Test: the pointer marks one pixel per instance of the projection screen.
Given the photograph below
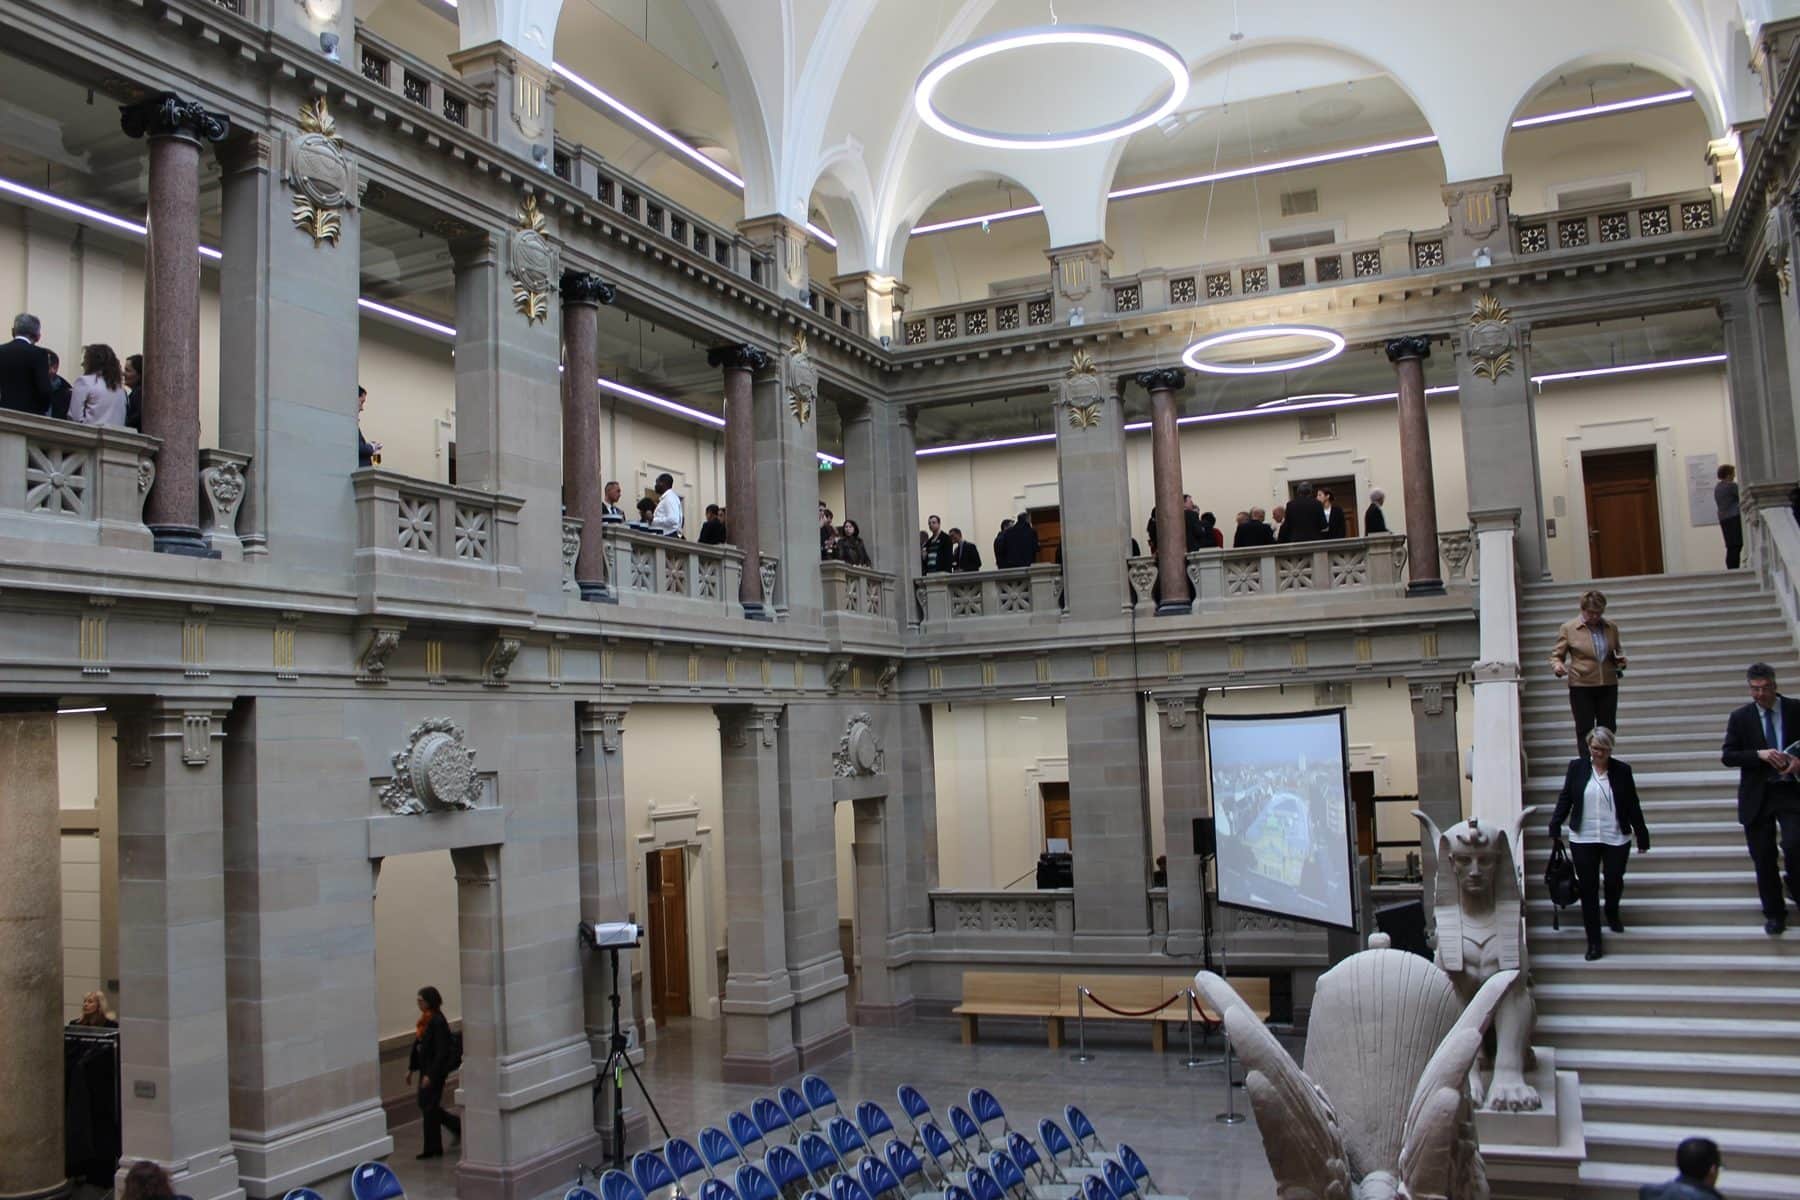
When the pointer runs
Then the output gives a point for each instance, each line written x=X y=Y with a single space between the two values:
x=1281 y=814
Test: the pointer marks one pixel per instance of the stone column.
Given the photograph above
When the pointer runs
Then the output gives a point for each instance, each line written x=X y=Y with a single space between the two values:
x=875 y=1001
x=605 y=852
x=582 y=295
x=1182 y=735
x=1165 y=464
x=878 y=449
x=1762 y=337
x=1408 y=354
x=173 y=1075
x=787 y=483
x=175 y=128
x=782 y=243
x=1091 y=478
x=815 y=957
x=31 y=950
x=918 y=788
x=1498 y=787
x=1499 y=433
x=1109 y=816
x=759 y=1030
x=740 y=363
x=1078 y=282
x=1435 y=748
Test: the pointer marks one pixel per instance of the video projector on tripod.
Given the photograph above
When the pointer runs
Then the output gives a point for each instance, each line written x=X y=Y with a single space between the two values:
x=610 y=935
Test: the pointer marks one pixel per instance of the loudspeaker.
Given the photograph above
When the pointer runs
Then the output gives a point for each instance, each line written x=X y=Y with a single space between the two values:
x=1206 y=843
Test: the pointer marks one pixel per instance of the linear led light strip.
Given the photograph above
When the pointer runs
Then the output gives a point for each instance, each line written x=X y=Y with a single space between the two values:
x=1310 y=160
x=48 y=200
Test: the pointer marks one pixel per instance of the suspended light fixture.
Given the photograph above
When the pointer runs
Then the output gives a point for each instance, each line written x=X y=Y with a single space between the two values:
x=1148 y=48
x=1331 y=341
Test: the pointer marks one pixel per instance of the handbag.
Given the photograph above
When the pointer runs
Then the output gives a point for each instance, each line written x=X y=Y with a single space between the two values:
x=1559 y=881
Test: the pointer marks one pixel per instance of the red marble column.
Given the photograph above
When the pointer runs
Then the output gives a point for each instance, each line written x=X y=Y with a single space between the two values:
x=582 y=295
x=1165 y=464
x=1408 y=354
x=741 y=362
x=175 y=129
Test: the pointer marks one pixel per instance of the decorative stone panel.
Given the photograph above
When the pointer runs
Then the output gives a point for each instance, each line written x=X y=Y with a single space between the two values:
x=1654 y=222
x=1366 y=264
x=1182 y=291
x=1254 y=280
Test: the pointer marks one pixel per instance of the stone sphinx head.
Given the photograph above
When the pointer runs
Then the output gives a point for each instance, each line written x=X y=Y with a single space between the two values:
x=1474 y=858
x=1480 y=858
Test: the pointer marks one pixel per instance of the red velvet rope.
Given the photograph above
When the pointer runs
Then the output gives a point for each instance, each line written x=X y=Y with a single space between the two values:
x=1120 y=1012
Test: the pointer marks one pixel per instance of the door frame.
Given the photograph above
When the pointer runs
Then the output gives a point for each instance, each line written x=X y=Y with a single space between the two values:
x=680 y=857
x=678 y=827
x=1639 y=433
x=1043 y=770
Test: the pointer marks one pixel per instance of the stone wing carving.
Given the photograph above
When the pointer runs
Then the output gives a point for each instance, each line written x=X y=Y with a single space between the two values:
x=1438 y=1152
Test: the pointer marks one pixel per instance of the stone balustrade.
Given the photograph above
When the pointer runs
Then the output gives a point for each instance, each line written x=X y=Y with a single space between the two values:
x=416 y=83
x=832 y=307
x=860 y=591
x=682 y=577
x=420 y=540
x=1001 y=314
x=977 y=599
x=979 y=918
x=70 y=483
x=1652 y=220
x=651 y=213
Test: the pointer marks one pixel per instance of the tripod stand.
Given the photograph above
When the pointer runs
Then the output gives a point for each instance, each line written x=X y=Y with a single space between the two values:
x=617 y=1063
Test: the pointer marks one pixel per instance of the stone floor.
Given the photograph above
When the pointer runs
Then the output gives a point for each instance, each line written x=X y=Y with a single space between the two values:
x=1164 y=1110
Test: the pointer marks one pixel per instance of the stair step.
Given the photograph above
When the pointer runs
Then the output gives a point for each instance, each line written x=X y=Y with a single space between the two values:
x=1759 y=617
x=1620 y=585
x=1624 y=998
x=1717 y=779
x=1685 y=886
x=1744 y=937
x=1611 y=1103
x=1763 y=1150
x=1660 y=912
x=1685 y=1069
x=1671 y=859
x=1662 y=970
x=1621 y=1181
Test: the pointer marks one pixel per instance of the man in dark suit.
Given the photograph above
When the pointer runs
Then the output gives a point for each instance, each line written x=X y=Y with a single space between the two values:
x=1768 y=792
x=1305 y=517
x=25 y=384
x=963 y=554
x=1253 y=531
x=934 y=551
x=61 y=390
x=712 y=530
x=999 y=540
x=1374 y=520
x=1020 y=543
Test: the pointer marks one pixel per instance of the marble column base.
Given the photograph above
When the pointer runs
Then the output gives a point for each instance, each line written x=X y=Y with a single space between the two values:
x=599 y=593
x=54 y=1192
x=754 y=611
x=759 y=1069
x=547 y=1171
x=832 y=1044
x=1425 y=587
x=184 y=540
x=1174 y=608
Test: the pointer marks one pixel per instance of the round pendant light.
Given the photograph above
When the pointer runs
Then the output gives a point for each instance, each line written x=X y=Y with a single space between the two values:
x=1330 y=341
x=1150 y=49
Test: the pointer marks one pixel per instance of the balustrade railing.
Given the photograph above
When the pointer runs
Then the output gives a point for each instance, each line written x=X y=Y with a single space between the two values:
x=972 y=599
x=863 y=591
x=652 y=213
x=1001 y=314
x=979 y=915
x=415 y=536
x=1648 y=220
x=680 y=576
x=81 y=484
x=834 y=309
x=418 y=84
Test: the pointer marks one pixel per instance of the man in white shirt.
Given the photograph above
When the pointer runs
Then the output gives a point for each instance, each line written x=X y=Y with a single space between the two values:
x=667 y=518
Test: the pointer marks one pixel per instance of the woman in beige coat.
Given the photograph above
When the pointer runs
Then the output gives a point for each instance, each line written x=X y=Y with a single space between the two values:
x=1589 y=657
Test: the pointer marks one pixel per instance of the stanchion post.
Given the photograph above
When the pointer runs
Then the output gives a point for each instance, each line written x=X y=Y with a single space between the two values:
x=1081 y=1054
x=1231 y=1116
x=1193 y=1061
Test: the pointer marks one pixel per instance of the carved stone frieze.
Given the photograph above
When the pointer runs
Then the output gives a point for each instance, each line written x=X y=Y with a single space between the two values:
x=859 y=752
x=434 y=771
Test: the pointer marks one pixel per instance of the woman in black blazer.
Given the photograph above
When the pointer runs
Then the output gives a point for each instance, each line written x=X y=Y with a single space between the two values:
x=1599 y=801
x=433 y=1058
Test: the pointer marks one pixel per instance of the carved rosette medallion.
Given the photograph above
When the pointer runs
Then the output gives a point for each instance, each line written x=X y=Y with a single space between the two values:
x=321 y=173
x=433 y=772
x=802 y=379
x=1080 y=393
x=859 y=752
x=1489 y=338
x=531 y=263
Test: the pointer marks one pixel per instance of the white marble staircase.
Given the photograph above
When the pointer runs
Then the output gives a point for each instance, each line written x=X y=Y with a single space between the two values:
x=1691 y=1022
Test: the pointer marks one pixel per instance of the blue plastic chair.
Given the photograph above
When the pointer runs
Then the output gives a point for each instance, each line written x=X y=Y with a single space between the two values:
x=716 y=1189
x=753 y=1183
x=1083 y=1130
x=953 y=1192
x=1119 y=1180
x=769 y=1117
x=1025 y=1154
x=985 y=1107
x=1134 y=1166
x=651 y=1173
x=818 y=1094
x=1094 y=1188
x=745 y=1133
x=1006 y=1172
x=717 y=1148
x=1056 y=1144
x=683 y=1159
x=913 y=1104
x=872 y=1119
x=786 y=1169
x=579 y=1193
x=302 y=1194
x=375 y=1181
x=983 y=1185
x=617 y=1185
x=967 y=1128
x=845 y=1139
x=846 y=1188
x=938 y=1147
x=794 y=1104
x=877 y=1178
x=819 y=1157
x=904 y=1163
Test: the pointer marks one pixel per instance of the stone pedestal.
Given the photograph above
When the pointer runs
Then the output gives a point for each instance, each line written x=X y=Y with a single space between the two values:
x=31 y=950
x=582 y=294
x=743 y=525
x=782 y=243
x=1536 y=1154
x=522 y=92
x=1408 y=354
x=1109 y=821
x=1078 y=276
x=1478 y=211
x=1165 y=461
x=1182 y=737
x=1435 y=748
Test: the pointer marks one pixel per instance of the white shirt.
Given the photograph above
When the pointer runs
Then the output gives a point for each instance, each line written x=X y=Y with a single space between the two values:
x=93 y=403
x=1599 y=816
x=667 y=517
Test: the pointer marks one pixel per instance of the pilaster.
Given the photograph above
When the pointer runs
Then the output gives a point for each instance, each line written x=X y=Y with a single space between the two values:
x=1091 y=479
x=1078 y=275
x=1182 y=738
x=522 y=93
x=1499 y=425
x=1478 y=212
x=878 y=488
x=815 y=959
x=783 y=242
x=1435 y=748
x=1109 y=814
x=787 y=483
x=882 y=299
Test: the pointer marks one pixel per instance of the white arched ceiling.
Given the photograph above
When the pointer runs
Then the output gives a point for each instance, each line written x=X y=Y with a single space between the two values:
x=528 y=26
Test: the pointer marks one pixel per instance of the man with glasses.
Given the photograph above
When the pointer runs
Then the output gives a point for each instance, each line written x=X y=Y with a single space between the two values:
x=1756 y=740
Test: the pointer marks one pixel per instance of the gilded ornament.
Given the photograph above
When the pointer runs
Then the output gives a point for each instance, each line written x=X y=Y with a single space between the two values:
x=802 y=379
x=1082 y=364
x=321 y=174
x=1490 y=338
x=1085 y=416
x=532 y=262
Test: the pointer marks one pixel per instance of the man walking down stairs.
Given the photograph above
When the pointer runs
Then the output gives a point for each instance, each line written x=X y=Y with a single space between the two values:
x=1690 y=1025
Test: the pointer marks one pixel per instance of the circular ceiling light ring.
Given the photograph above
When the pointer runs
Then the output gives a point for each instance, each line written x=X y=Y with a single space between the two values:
x=1331 y=340
x=1149 y=48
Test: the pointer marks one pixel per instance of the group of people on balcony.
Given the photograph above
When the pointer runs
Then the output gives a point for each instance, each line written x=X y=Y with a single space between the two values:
x=944 y=551
x=841 y=543
x=1313 y=515
x=107 y=392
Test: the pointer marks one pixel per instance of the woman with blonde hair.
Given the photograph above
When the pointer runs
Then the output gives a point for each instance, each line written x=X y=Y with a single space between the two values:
x=99 y=396
x=1599 y=803
x=93 y=1012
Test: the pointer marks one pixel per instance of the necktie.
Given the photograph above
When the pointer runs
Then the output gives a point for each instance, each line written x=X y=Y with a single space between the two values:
x=1769 y=728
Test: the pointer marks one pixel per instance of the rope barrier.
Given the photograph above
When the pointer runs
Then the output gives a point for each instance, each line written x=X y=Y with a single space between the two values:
x=1122 y=1012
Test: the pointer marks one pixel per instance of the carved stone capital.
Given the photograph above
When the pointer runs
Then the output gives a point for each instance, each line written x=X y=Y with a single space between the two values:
x=1161 y=379
x=1412 y=346
x=383 y=641
x=603 y=725
x=168 y=115
x=741 y=356
x=582 y=287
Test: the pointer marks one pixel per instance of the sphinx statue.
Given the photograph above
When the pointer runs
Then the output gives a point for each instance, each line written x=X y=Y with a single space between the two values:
x=1381 y=1110
x=1474 y=896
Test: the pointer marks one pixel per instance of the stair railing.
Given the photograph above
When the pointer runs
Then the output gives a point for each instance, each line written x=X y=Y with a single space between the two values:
x=1773 y=535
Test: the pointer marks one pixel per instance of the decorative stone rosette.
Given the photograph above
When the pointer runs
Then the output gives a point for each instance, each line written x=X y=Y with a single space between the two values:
x=859 y=751
x=433 y=772
x=531 y=263
x=322 y=175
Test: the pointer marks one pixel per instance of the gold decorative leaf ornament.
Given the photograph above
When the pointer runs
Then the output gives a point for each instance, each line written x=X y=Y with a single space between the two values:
x=532 y=262
x=1082 y=364
x=321 y=173
x=1490 y=338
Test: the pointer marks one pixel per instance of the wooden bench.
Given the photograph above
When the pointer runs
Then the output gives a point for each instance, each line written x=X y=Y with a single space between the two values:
x=1254 y=989
x=1008 y=994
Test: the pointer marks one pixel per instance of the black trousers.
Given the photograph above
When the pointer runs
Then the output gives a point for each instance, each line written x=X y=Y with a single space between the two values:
x=1733 y=529
x=1592 y=860
x=431 y=1104
x=1593 y=706
x=1778 y=816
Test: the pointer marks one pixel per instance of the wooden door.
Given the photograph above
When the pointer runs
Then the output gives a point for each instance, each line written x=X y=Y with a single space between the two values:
x=1048 y=523
x=1624 y=524
x=1056 y=811
x=666 y=884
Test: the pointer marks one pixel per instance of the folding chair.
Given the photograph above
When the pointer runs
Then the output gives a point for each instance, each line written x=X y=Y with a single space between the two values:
x=966 y=1128
x=769 y=1117
x=617 y=1185
x=579 y=1193
x=1056 y=1144
x=905 y=1165
x=717 y=1148
x=1083 y=1130
x=786 y=1169
x=878 y=1179
x=938 y=1147
x=983 y=1185
x=820 y=1159
x=845 y=1140
x=684 y=1160
x=872 y=1119
x=375 y=1181
x=794 y=1104
x=753 y=1183
x=1094 y=1188
x=845 y=1187
x=914 y=1105
x=745 y=1133
x=1007 y=1174
x=1120 y=1180
x=1025 y=1154
x=1134 y=1166
x=652 y=1174
x=716 y=1189
x=302 y=1194
x=818 y=1094
x=956 y=1193
x=984 y=1106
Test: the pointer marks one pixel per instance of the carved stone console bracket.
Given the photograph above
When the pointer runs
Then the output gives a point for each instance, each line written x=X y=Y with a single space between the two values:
x=498 y=663
x=384 y=639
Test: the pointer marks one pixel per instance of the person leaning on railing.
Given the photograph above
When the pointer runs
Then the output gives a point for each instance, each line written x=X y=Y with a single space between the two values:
x=848 y=548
